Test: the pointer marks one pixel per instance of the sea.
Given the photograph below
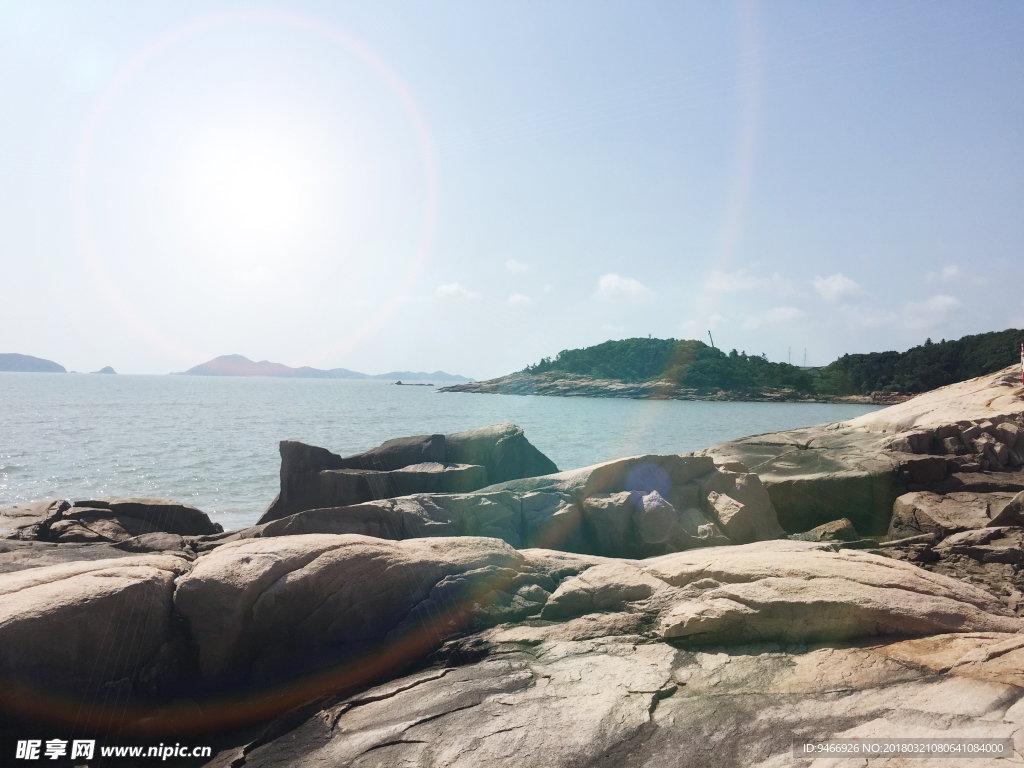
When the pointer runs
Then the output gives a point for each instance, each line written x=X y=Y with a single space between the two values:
x=213 y=441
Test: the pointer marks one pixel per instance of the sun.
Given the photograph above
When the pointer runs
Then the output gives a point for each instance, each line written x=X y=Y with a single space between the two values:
x=245 y=187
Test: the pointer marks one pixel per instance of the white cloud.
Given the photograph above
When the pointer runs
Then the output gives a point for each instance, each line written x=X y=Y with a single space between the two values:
x=742 y=281
x=454 y=291
x=947 y=274
x=836 y=287
x=518 y=267
x=930 y=313
x=518 y=299
x=775 y=316
x=612 y=287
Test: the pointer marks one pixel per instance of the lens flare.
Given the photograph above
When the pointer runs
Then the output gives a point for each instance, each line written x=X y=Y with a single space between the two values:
x=252 y=186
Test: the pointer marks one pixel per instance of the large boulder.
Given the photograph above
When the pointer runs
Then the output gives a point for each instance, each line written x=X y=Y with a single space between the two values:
x=75 y=627
x=993 y=398
x=954 y=439
x=695 y=503
x=315 y=478
x=817 y=474
x=284 y=605
x=548 y=659
x=925 y=512
x=502 y=449
x=637 y=507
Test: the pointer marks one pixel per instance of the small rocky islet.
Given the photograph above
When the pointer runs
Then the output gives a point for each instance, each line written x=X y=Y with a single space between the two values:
x=456 y=600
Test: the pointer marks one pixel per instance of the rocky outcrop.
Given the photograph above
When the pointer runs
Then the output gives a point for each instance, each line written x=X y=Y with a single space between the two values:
x=591 y=617
x=81 y=626
x=546 y=659
x=561 y=384
x=924 y=512
x=314 y=478
x=571 y=695
x=102 y=520
x=320 y=599
x=961 y=438
x=31 y=521
x=638 y=507
x=975 y=537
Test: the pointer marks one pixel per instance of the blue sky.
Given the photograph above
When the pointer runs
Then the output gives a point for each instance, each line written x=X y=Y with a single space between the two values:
x=473 y=186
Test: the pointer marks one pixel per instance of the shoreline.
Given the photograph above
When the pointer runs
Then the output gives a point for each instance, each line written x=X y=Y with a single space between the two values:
x=574 y=385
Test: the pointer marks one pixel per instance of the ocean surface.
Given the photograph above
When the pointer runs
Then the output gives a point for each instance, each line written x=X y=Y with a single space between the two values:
x=213 y=441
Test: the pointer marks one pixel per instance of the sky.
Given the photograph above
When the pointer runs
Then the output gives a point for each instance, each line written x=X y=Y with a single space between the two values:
x=472 y=186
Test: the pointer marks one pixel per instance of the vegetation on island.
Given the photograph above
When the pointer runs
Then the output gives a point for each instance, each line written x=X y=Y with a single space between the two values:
x=695 y=365
x=685 y=363
x=922 y=368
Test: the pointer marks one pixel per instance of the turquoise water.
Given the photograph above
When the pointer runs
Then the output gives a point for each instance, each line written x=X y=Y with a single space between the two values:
x=212 y=441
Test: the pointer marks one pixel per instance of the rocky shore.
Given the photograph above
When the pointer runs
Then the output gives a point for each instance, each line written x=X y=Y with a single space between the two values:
x=559 y=384
x=456 y=600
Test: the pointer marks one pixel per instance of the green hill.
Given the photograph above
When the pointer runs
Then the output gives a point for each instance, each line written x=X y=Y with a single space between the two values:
x=691 y=364
x=922 y=368
x=695 y=365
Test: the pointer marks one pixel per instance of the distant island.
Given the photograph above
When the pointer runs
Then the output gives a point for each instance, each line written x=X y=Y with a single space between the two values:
x=670 y=369
x=10 y=361
x=107 y=369
x=237 y=365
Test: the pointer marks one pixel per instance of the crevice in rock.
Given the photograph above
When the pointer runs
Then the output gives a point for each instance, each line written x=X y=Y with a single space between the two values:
x=384 y=696
x=663 y=693
x=391 y=743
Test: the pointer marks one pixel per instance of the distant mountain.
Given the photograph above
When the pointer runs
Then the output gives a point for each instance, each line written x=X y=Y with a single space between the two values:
x=27 y=364
x=237 y=365
x=107 y=369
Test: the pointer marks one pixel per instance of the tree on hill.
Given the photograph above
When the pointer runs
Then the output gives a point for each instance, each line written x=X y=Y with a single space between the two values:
x=922 y=368
x=686 y=363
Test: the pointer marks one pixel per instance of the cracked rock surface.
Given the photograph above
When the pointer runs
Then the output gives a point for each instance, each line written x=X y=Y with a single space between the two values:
x=569 y=699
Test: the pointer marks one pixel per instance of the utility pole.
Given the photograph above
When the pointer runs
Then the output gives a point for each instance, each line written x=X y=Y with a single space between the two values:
x=789 y=356
x=712 y=340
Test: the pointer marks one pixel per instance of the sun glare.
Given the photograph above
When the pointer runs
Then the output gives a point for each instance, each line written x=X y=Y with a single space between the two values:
x=246 y=188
